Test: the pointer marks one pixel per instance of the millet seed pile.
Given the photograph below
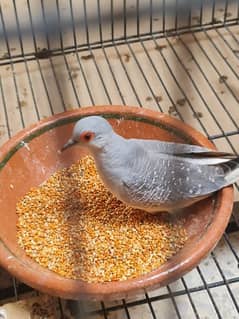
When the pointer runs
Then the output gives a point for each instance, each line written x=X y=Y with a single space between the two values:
x=72 y=225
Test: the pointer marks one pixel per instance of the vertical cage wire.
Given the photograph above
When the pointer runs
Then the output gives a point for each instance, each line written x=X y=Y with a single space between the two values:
x=160 y=19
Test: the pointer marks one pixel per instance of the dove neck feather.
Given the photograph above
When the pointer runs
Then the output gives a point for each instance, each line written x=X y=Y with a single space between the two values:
x=112 y=160
x=110 y=150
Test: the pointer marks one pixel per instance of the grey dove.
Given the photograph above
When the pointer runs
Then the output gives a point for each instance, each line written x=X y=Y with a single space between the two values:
x=153 y=175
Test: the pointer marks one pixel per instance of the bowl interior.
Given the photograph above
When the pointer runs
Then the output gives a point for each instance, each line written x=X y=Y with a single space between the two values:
x=33 y=159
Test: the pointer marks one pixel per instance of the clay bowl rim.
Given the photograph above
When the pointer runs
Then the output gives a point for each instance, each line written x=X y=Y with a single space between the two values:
x=70 y=288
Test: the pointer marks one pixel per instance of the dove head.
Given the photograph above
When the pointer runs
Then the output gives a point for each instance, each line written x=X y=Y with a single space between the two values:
x=91 y=131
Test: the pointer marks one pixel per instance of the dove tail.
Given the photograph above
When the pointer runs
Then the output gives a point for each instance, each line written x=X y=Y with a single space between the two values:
x=231 y=169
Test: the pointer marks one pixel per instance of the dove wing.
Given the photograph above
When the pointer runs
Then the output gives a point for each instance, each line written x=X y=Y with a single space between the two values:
x=187 y=152
x=159 y=180
x=179 y=148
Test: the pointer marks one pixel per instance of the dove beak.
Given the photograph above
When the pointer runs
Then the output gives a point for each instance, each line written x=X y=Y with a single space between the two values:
x=68 y=144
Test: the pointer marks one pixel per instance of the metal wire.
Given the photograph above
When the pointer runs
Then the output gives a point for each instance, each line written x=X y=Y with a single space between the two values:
x=65 y=59
x=162 y=29
x=124 y=19
x=11 y=64
x=26 y=66
x=126 y=309
x=150 y=306
x=113 y=76
x=5 y=109
x=225 y=281
x=201 y=95
x=121 y=42
x=112 y=19
x=104 y=310
x=51 y=63
x=181 y=89
x=220 y=53
x=190 y=298
x=151 y=16
x=172 y=297
x=38 y=64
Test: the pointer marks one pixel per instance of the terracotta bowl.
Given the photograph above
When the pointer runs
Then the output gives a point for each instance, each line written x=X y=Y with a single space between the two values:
x=33 y=155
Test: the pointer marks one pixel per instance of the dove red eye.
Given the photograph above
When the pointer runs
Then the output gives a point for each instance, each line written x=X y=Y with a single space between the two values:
x=86 y=137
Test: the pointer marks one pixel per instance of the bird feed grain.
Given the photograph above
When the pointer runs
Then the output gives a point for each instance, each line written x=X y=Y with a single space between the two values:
x=74 y=226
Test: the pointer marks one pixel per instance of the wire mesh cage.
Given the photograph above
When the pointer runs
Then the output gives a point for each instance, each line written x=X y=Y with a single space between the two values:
x=179 y=57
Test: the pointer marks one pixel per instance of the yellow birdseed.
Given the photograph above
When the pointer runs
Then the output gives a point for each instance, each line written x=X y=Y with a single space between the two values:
x=74 y=226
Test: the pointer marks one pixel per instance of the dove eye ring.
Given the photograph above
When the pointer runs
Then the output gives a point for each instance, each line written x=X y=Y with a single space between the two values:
x=86 y=137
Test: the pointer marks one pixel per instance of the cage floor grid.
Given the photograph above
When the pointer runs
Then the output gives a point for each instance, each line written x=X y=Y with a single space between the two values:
x=193 y=77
